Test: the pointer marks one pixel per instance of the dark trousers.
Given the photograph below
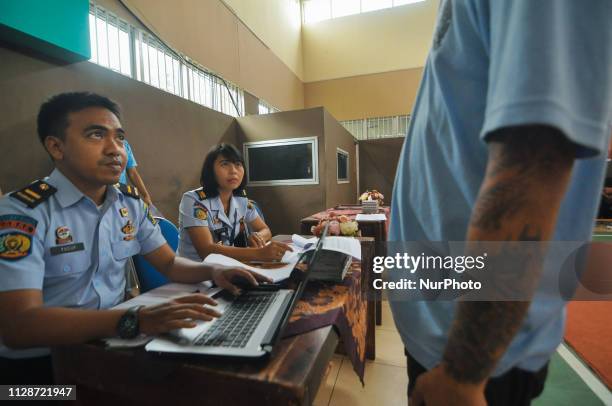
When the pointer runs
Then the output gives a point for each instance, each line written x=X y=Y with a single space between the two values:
x=516 y=387
x=27 y=371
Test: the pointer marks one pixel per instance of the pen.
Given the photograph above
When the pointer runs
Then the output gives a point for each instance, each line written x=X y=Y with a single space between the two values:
x=265 y=263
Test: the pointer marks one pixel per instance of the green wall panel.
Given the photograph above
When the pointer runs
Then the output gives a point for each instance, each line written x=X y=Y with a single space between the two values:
x=56 y=28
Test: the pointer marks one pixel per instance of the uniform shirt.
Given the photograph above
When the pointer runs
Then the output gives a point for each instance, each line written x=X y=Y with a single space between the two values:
x=495 y=64
x=70 y=249
x=196 y=210
x=131 y=162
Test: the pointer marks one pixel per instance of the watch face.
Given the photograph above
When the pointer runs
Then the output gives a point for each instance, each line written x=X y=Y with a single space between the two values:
x=128 y=324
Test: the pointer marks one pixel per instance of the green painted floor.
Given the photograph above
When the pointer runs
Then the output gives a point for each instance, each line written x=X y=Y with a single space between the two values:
x=565 y=387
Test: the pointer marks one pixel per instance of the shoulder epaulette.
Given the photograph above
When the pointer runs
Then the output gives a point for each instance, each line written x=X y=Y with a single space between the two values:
x=34 y=194
x=201 y=193
x=128 y=190
x=250 y=204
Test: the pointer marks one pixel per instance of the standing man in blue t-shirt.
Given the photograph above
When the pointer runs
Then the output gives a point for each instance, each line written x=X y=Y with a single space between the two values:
x=508 y=143
x=130 y=172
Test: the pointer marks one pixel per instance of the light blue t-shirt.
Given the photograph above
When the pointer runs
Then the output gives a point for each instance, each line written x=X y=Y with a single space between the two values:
x=495 y=64
x=131 y=162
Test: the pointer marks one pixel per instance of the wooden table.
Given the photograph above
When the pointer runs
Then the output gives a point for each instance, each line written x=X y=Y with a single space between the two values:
x=376 y=229
x=291 y=376
x=367 y=251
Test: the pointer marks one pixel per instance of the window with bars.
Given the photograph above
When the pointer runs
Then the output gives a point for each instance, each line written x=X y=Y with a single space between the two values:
x=119 y=46
x=265 y=108
x=378 y=127
x=318 y=10
x=110 y=41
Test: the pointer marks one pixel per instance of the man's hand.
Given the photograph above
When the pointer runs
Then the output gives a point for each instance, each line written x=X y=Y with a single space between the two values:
x=178 y=313
x=223 y=277
x=436 y=387
x=607 y=194
x=255 y=240
x=273 y=251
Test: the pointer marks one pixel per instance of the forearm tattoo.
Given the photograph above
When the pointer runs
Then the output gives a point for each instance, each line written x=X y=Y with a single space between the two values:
x=525 y=164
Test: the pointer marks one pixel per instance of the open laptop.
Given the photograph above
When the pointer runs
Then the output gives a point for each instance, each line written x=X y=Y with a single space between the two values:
x=251 y=323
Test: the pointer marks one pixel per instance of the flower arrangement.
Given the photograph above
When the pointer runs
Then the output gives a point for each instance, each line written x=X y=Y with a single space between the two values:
x=372 y=195
x=338 y=225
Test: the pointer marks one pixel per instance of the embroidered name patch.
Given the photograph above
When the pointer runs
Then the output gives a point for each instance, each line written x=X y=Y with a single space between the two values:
x=64 y=249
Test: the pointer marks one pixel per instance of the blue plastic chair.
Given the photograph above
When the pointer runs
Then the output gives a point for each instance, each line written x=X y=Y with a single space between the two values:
x=148 y=276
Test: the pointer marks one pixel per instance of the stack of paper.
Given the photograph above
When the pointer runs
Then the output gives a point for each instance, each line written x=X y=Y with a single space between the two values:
x=277 y=274
x=347 y=245
x=370 y=217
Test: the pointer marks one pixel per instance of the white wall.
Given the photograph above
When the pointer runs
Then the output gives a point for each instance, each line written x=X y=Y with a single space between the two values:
x=278 y=24
x=374 y=42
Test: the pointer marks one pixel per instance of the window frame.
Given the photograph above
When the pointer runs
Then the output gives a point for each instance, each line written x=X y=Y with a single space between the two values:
x=314 y=180
x=340 y=151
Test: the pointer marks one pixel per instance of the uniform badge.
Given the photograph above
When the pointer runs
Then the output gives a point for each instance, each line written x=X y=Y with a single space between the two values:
x=128 y=228
x=250 y=205
x=123 y=211
x=200 y=213
x=34 y=194
x=62 y=235
x=201 y=194
x=18 y=222
x=15 y=245
x=244 y=193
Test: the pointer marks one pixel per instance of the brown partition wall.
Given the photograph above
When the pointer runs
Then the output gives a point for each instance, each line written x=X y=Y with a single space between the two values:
x=378 y=163
x=284 y=206
x=169 y=135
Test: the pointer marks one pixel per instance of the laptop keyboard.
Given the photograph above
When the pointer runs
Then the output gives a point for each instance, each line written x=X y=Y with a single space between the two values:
x=239 y=321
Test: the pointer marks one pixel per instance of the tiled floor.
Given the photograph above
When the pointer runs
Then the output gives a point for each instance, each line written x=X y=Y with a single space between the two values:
x=386 y=377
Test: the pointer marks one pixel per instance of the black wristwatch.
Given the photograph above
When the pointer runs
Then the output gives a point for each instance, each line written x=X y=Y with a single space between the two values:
x=128 y=327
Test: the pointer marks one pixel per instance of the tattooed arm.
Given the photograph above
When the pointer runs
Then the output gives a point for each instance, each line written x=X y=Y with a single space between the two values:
x=527 y=175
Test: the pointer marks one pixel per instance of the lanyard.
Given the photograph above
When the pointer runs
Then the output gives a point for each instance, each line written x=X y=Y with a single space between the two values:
x=233 y=235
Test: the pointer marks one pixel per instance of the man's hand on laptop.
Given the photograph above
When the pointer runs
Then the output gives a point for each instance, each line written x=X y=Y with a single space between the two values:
x=226 y=277
x=179 y=313
x=607 y=194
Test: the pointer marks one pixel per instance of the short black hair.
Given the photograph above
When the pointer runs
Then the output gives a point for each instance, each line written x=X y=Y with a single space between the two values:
x=53 y=114
x=207 y=177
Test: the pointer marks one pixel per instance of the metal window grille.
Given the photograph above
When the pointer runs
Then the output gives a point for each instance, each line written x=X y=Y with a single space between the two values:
x=378 y=127
x=265 y=108
x=119 y=46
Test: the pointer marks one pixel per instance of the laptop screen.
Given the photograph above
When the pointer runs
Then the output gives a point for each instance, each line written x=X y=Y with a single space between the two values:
x=300 y=277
